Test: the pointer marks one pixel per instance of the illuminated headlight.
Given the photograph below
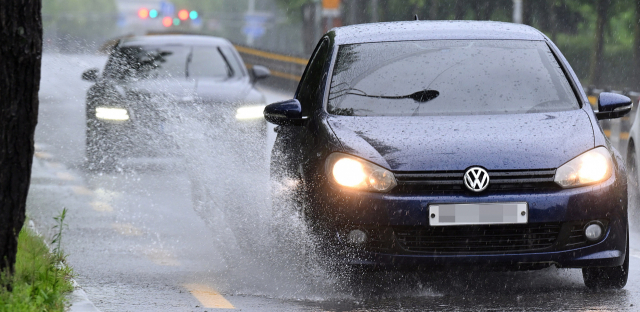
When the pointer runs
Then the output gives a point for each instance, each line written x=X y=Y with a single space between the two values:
x=250 y=112
x=591 y=167
x=359 y=174
x=112 y=113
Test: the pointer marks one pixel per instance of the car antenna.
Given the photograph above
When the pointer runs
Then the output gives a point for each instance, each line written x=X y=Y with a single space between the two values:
x=415 y=17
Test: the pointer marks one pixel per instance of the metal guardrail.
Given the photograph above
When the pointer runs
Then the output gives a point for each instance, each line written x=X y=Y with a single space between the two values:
x=286 y=70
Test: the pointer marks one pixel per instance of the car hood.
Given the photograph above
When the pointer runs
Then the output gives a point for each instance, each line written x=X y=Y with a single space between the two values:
x=495 y=142
x=208 y=90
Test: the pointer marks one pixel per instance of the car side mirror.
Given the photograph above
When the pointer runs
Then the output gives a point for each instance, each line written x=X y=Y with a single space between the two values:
x=612 y=105
x=91 y=75
x=285 y=113
x=260 y=72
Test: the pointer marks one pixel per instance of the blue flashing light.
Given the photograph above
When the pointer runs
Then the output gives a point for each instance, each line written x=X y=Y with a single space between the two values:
x=193 y=15
x=153 y=13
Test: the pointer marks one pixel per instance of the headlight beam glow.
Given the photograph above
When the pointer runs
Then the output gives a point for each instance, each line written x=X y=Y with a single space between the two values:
x=112 y=113
x=348 y=172
x=250 y=112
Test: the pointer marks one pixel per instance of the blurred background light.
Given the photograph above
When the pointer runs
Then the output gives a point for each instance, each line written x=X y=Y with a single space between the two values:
x=143 y=13
x=167 y=21
x=183 y=15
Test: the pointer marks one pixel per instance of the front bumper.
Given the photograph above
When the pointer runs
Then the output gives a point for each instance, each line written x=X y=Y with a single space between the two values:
x=344 y=210
x=153 y=137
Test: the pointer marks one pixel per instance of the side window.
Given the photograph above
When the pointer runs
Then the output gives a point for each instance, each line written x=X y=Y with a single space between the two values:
x=232 y=58
x=312 y=83
x=208 y=62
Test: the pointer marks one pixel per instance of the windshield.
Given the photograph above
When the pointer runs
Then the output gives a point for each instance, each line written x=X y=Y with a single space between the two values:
x=162 y=62
x=448 y=77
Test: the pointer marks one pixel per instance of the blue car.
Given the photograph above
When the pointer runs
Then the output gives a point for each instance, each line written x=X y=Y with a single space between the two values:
x=433 y=144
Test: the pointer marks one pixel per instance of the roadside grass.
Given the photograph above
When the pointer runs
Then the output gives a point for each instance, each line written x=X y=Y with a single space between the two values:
x=40 y=282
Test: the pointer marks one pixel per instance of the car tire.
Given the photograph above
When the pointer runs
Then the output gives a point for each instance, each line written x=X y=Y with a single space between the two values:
x=608 y=277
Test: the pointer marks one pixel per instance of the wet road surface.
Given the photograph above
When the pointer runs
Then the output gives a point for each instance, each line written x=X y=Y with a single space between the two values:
x=139 y=241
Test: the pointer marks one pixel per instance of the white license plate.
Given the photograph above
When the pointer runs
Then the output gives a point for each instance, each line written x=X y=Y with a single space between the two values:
x=469 y=214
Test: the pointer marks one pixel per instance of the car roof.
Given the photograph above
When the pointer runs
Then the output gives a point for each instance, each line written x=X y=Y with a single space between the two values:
x=190 y=40
x=433 y=30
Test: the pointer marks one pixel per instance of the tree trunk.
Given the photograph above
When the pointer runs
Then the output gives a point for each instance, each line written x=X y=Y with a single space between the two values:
x=527 y=12
x=375 y=11
x=309 y=24
x=636 y=46
x=434 y=9
x=459 y=10
x=20 y=56
x=475 y=9
x=552 y=21
x=602 y=9
x=486 y=9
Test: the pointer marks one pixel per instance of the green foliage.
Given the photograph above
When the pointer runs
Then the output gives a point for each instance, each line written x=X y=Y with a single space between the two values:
x=39 y=282
x=57 y=237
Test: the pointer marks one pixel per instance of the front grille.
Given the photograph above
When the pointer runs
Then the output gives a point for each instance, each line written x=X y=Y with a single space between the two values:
x=452 y=181
x=478 y=239
x=576 y=236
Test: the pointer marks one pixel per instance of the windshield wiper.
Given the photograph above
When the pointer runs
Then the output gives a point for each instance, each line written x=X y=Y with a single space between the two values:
x=420 y=96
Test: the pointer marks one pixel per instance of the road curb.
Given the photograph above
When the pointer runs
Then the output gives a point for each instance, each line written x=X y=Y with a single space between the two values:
x=78 y=298
x=79 y=301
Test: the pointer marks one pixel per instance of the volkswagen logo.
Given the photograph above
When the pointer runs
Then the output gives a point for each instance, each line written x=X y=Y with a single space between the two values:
x=476 y=179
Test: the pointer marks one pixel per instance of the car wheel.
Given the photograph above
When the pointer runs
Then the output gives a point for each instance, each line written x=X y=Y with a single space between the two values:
x=608 y=277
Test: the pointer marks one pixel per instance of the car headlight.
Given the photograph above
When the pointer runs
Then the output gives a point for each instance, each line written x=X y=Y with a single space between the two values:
x=112 y=113
x=250 y=112
x=356 y=173
x=590 y=167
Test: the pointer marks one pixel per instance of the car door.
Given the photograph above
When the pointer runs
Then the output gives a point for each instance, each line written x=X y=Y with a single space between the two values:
x=294 y=144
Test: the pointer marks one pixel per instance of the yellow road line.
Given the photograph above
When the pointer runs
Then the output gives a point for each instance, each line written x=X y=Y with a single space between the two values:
x=53 y=164
x=126 y=229
x=285 y=75
x=273 y=56
x=161 y=257
x=62 y=175
x=623 y=135
x=208 y=297
x=43 y=155
x=101 y=206
x=81 y=190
